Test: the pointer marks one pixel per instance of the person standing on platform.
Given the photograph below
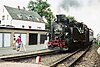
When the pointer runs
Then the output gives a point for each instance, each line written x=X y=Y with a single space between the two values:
x=18 y=41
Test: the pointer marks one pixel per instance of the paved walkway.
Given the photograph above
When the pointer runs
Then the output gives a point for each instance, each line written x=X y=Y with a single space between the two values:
x=9 y=51
x=10 y=64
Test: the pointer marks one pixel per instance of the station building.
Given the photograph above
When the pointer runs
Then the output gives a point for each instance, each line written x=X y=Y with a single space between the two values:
x=20 y=22
x=28 y=36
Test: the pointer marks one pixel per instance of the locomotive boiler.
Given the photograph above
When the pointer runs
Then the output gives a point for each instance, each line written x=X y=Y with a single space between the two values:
x=67 y=35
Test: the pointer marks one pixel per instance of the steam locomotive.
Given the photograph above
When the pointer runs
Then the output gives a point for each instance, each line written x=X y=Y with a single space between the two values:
x=66 y=35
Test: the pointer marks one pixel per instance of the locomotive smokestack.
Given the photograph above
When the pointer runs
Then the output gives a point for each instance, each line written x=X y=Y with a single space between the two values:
x=58 y=18
x=62 y=18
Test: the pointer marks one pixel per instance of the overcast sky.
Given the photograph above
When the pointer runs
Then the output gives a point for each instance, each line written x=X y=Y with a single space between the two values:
x=87 y=11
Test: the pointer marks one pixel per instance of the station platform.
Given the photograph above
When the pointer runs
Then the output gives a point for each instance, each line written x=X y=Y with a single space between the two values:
x=30 y=49
x=10 y=64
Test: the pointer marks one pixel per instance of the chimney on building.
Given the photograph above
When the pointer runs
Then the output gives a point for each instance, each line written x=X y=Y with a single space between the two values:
x=19 y=7
x=23 y=8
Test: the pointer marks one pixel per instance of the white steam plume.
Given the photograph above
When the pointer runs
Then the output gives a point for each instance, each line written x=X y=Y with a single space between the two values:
x=87 y=11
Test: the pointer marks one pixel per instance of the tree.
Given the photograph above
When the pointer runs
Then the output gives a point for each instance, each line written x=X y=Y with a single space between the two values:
x=71 y=19
x=43 y=9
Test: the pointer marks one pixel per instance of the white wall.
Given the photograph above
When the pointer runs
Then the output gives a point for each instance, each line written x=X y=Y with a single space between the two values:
x=20 y=23
x=34 y=25
x=5 y=13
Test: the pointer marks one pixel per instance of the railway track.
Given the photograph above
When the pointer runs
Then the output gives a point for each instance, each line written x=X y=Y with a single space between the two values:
x=25 y=56
x=51 y=59
x=69 y=61
x=46 y=59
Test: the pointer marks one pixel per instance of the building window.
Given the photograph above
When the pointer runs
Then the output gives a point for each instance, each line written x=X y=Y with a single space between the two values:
x=23 y=26
x=39 y=27
x=20 y=16
x=7 y=17
x=3 y=17
x=29 y=27
x=30 y=17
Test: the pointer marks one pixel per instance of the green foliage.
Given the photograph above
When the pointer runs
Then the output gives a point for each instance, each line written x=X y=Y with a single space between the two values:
x=71 y=19
x=43 y=9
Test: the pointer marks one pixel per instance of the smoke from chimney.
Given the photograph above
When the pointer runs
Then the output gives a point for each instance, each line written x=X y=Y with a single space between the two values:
x=66 y=4
x=87 y=11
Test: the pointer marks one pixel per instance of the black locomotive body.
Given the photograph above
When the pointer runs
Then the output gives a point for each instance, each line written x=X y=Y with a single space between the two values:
x=68 y=35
